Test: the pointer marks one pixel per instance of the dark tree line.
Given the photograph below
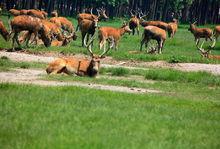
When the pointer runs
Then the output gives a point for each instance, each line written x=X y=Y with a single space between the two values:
x=204 y=11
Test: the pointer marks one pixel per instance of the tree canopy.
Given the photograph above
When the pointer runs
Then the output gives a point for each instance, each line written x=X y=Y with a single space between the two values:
x=204 y=11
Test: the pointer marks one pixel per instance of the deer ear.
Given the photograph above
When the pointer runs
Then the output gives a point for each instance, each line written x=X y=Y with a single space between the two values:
x=102 y=56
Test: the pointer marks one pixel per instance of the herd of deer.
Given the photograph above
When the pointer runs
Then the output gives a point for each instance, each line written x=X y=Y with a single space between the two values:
x=33 y=27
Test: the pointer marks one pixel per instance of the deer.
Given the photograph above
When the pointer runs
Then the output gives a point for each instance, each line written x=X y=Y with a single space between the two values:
x=37 y=13
x=54 y=13
x=76 y=66
x=155 y=33
x=172 y=28
x=30 y=24
x=87 y=27
x=4 y=32
x=65 y=24
x=110 y=32
x=134 y=22
x=216 y=32
x=206 y=53
x=82 y=16
x=159 y=24
x=14 y=12
x=200 y=33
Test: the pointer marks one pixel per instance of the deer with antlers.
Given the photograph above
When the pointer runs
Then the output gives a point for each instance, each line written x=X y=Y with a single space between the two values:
x=87 y=27
x=200 y=33
x=134 y=22
x=76 y=66
x=155 y=33
x=206 y=53
x=91 y=16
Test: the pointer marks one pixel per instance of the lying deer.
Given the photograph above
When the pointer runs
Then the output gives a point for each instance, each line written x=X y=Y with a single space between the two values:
x=155 y=33
x=79 y=67
x=109 y=32
x=206 y=53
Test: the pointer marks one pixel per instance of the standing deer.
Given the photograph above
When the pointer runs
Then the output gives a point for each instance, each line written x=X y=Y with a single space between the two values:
x=172 y=28
x=155 y=33
x=31 y=24
x=109 y=32
x=134 y=22
x=200 y=33
x=91 y=17
x=87 y=27
x=76 y=66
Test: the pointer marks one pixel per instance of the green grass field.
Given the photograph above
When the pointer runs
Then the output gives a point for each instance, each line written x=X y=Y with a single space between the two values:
x=186 y=114
x=180 y=49
x=71 y=117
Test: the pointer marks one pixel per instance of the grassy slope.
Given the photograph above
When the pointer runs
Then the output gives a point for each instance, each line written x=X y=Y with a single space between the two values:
x=70 y=117
x=181 y=48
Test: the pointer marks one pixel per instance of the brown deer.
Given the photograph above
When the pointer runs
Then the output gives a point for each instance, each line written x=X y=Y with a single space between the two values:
x=200 y=33
x=159 y=24
x=172 y=28
x=37 y=13
x=216 y=32
x=76 y=66
x=31 y=24
x=54 y=13
x=65 y=24
x=87 y=27
x=14 y=12
x=155 y=33
x=206 y=53
x=82 y=16
x=110 y=32
x=3 y=31
x=134 y=22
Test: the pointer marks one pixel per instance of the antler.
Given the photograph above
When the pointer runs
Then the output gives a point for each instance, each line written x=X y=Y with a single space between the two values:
x=111 y=41
x=204 y=53
x=91 y=9
x=89 y=46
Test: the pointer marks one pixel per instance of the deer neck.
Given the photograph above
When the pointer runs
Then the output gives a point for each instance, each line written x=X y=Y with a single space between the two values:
x=122 y=31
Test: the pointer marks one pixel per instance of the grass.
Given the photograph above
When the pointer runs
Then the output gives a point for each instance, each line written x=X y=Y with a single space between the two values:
x=180 y=49
x=161 y=74
x=72 y=117
x=6 y=64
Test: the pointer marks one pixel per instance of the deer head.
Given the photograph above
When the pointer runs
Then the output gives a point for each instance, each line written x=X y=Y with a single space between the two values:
x=95 y=61
x=102 y=13
x=203 y=52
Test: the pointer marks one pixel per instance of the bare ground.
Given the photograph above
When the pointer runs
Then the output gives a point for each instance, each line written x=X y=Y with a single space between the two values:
x=110 y=62
x=33 y=76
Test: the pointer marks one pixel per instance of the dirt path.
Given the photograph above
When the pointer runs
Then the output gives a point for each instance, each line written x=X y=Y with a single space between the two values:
x=33 y=76
x=109 y=62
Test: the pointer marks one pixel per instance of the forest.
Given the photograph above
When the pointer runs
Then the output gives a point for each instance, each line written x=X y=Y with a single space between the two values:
x=204 y=11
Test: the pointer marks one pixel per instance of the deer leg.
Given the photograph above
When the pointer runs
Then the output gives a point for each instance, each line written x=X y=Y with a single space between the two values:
x=138 y=30
x=28 y=38
x=142 y=42
x=16 y=38
x=160 y=45
x=133 y=31
x=116 y=45
x=83 y=37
